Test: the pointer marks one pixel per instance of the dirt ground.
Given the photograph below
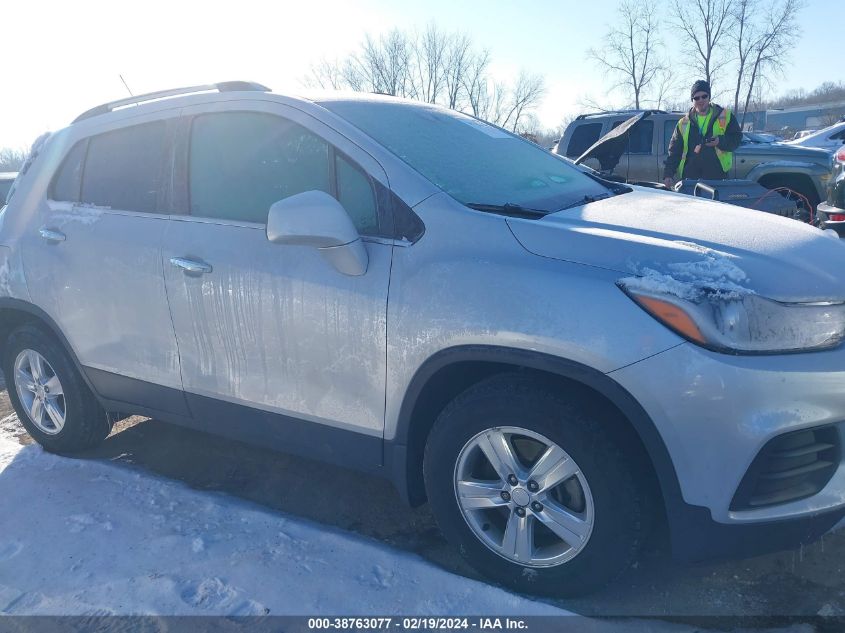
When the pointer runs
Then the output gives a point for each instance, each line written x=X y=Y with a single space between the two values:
x=802 y=583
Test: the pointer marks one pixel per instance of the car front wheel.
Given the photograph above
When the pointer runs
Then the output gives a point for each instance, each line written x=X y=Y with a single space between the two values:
x=535 y=491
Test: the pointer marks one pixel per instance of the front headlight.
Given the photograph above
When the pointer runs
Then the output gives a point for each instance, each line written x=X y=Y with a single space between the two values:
x=740 y=322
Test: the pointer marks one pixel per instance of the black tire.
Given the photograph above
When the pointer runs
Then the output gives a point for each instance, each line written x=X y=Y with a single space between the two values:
x=86 y=423
x=615 y=477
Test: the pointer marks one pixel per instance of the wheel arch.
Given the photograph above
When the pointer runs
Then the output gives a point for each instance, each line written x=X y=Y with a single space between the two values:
x=15 y=313
x=798 y=176
x=449 y=372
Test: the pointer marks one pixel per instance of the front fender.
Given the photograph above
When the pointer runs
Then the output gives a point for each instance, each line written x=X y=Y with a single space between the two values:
x=813 y=171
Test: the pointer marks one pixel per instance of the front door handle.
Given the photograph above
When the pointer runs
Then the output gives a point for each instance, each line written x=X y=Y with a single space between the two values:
x=191 y=265
x=52 y=236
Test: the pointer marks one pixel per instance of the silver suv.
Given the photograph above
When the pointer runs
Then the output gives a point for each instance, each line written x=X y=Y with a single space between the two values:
x=555 y=362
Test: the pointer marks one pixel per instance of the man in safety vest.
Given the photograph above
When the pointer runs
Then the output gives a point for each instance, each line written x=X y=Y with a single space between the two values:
x=704 y=140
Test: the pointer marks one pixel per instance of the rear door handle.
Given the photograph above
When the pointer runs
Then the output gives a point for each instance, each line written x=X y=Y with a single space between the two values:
x=52 y=236
x=191 y=265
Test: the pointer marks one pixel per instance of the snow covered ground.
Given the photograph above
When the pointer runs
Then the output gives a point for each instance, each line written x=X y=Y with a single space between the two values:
x=87 y=537
x=83 y=537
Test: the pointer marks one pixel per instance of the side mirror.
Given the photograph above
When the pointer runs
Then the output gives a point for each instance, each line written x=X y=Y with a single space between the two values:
x=316 y=219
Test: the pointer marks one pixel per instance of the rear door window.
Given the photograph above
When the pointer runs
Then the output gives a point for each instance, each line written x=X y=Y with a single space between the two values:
x=125 y=169
x=640 y=140
x=583 y=136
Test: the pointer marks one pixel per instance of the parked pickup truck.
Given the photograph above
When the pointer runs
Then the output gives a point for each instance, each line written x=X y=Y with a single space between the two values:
x=802 y=169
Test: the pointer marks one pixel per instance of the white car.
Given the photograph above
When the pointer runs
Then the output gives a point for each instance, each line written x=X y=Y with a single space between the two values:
x=830 y=138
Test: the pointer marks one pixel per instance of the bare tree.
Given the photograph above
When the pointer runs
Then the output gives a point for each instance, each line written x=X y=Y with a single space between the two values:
x=827 y=92
x=355 y=77
x=475 y=83
x=429 y=64
x=459 y=60
x=705 y=23
x=526 y=95
x=327 y=75
x=382 y=66
x=549 y=136
x=664 y=85
x=587 y=102
x=434 y=67
x=12 y=159
x=530 y=129
x=493 y=102
x=743 y=36
x=769 y=44
x=631 y=50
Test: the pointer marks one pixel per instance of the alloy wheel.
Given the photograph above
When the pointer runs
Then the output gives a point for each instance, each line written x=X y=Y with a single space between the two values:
x=40 y=392
x=524 y=497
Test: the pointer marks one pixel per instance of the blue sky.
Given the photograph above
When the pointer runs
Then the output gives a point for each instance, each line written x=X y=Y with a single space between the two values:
x=64 y=58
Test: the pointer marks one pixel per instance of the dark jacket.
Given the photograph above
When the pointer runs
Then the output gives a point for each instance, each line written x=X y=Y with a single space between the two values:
x=704 y=165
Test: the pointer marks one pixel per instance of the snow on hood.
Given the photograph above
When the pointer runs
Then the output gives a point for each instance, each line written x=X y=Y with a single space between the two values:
x=716 y=272
x=672 y=239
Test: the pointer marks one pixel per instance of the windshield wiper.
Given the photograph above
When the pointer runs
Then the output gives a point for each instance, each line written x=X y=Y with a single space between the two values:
x=510 y=209
x=616 y=187
x=586 y=200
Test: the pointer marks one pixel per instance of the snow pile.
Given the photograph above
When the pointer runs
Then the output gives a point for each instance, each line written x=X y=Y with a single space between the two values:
x=94 y=539
x=83 y=537
x=716 y=274
x=10 y=427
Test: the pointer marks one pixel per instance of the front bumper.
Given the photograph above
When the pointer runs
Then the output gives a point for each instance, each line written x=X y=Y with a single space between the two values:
x=697 y=537
x=715 y=412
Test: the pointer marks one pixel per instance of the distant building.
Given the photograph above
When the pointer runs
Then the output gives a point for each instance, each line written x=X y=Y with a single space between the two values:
x=805 y=117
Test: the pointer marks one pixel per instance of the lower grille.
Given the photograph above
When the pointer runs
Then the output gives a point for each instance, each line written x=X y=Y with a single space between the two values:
x=789 y=467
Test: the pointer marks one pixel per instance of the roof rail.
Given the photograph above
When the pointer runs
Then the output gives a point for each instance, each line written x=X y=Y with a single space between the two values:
x=589 y=114
x=225 y=86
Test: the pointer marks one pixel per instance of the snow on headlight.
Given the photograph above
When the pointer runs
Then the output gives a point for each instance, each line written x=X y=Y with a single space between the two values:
x=714 y=293
x=715 y=274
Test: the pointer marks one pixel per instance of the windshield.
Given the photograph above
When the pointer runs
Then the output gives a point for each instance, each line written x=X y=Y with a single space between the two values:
x=472 y=161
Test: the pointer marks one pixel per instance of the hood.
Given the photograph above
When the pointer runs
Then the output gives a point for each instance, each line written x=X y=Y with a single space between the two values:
x=644 y=232
x=610 y=147
x=782 y=151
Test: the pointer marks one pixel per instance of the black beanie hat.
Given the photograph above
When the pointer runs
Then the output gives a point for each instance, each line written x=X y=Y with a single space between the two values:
x=700 y=86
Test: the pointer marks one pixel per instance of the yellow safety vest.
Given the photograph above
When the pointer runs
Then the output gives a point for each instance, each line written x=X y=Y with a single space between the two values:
x=726 y=159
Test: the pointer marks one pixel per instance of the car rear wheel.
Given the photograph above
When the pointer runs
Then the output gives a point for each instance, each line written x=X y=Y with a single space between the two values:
x=534 y=490
x=49 y=396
